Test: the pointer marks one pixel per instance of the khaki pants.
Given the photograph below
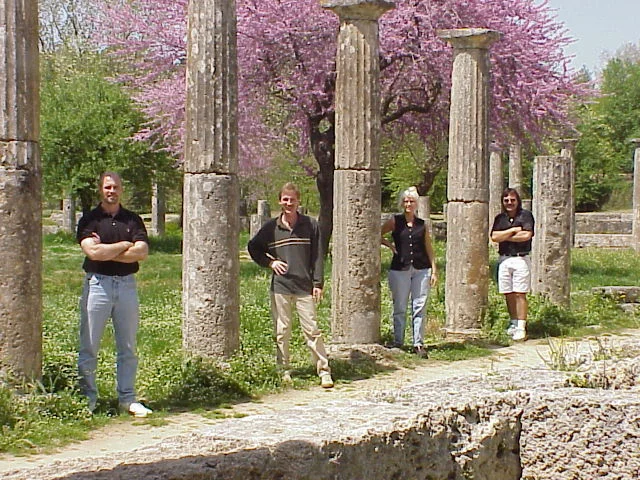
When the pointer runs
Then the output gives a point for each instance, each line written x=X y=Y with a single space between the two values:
x=282 y=313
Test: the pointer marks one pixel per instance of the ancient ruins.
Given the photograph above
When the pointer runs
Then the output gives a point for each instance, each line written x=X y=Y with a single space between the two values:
x=507 y=424
x=355 y=287
x=551 y=254
x=211 y=264
x=20 y=192
x=467 y=282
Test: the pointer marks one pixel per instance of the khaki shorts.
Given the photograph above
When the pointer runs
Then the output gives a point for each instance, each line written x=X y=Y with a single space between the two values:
x=514 y=275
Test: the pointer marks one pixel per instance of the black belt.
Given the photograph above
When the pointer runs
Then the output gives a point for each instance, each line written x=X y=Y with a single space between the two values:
x=521 y=254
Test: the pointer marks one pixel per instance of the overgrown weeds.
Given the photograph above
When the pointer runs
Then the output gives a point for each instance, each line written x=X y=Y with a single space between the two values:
x=564 y=355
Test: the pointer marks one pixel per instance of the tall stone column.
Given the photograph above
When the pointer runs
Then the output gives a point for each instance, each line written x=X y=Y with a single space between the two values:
x=568 y=146
x=467 y=284
x=211 y=189
x=551 y=255
x=355 y=287
x=496 y=183
x=636 y=195
x=158 y=208
x=20 y=192
x=69 y=214
x=515 y=167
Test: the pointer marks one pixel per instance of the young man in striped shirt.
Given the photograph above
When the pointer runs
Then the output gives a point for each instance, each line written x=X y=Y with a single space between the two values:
x=290 y=246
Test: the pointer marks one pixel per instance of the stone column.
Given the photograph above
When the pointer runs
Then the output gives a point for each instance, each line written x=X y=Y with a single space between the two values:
x=636 y=195
x=551 y=255
x=568 y=146
x=158 y=208
x=467 y=284
x=496 y=183
x=355 y=288
x=263 y=209
x=424 y=212
x=20 y=192
x=69 y=214
x=259 y=219
x=515 y=167
x=211 y=188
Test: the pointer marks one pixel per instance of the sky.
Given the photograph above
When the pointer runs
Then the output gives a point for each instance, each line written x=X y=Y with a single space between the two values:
x=598 y=26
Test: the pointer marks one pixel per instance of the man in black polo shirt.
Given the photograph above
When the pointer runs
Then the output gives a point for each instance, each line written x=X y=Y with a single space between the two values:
x=114 y=240
x=513 y=230
x=290 y=246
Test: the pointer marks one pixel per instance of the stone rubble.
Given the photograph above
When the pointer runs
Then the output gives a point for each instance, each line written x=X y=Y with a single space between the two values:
x=516 y=423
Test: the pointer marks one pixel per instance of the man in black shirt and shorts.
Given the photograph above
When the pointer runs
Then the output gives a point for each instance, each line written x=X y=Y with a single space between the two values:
x=513 y=230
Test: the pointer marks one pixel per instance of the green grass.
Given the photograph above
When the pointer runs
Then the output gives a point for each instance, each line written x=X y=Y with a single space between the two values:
x=50 y=413
x=593 y=267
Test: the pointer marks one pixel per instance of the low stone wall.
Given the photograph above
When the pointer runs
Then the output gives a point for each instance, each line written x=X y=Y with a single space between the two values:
x=603 y=240
x=611 y=229
x=524 y=423
x=593 y=229
x=604 y=222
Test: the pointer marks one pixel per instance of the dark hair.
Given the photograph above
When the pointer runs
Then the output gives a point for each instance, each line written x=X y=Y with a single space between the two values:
x=511 y=191
x=289 y=187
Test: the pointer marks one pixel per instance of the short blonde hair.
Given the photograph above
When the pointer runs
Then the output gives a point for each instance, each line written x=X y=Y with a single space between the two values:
x=289 y=187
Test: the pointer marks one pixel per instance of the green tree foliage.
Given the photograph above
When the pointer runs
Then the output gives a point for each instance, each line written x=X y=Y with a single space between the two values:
x=606 y=126
x=620 y=107
x=409 y=161
x=87 y=125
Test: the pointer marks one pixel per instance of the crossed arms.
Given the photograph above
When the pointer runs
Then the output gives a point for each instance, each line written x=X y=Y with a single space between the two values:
x=513 y=234
x=124 y=251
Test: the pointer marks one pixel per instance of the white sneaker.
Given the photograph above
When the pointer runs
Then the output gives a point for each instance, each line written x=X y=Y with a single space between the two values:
x=512 y=327
x=325 y=380
x=138 y=410
x=519 y=335
x=286 y=377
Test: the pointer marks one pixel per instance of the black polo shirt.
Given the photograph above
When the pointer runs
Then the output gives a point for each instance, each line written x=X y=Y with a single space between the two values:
x=125 y=225
x=524 y=219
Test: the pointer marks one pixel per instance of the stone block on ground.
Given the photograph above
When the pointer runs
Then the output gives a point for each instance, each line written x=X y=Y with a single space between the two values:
x=624 y=294
x=604 y=222
x=603 y=240
x=507 y=425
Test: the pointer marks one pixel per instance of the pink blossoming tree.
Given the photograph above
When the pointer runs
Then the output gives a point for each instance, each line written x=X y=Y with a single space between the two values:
x=286 y=52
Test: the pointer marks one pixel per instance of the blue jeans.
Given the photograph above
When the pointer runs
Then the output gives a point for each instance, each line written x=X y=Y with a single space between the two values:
x=105 y=296
x=402 y=283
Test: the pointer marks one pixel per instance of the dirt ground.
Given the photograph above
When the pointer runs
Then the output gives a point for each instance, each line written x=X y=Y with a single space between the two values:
x=132 y=434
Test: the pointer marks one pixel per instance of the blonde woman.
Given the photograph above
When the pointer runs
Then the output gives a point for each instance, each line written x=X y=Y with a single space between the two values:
x=413 y=269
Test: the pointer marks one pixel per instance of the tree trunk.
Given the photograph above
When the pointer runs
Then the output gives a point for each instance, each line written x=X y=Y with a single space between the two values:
x=323 y=147
x=86 y=197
